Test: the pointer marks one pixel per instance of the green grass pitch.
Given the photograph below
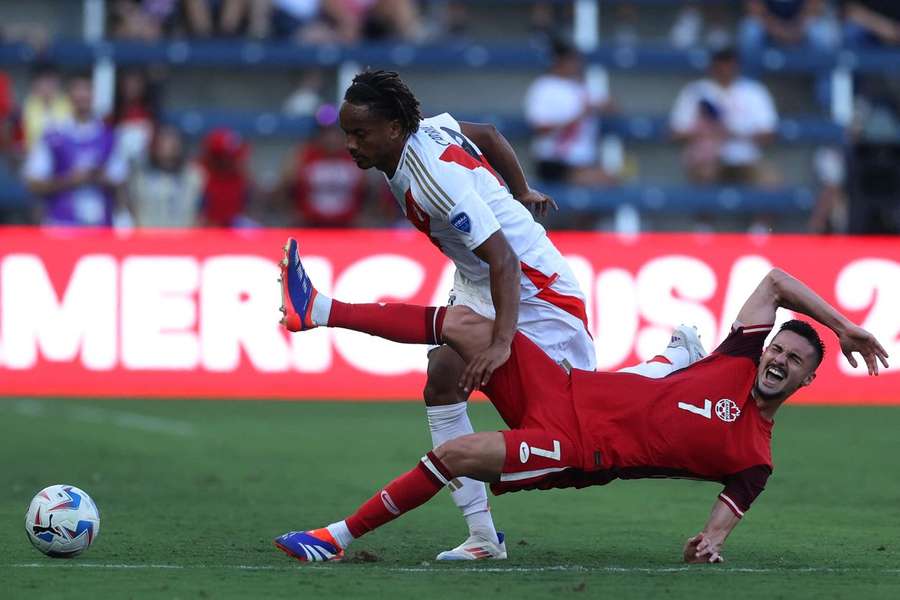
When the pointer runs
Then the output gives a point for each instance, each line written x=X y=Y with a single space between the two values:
x=191 y=494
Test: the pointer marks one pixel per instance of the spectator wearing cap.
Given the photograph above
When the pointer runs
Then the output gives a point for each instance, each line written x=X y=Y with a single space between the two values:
x=320 y=183
x=725 y=120
x=563 y=112
x=787 y=23
x=74 y=167
x=227 y=186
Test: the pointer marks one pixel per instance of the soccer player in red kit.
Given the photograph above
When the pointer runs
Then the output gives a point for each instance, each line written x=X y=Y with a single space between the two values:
x=712 y=420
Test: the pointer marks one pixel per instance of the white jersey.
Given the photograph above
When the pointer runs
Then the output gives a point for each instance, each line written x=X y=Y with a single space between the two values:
x=448 y=191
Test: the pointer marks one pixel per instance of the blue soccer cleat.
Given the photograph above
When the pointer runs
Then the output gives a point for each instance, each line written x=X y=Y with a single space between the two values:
x=297 y=291
x=317 y=545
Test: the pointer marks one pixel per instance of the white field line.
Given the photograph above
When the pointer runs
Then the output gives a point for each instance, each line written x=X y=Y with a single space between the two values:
x=102 y=416
x=453 y=569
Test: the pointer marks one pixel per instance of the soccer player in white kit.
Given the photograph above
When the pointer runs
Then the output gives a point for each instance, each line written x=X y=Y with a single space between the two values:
x=442 y=173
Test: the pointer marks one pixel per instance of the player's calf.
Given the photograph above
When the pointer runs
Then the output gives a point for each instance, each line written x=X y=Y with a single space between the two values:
x=409 y=491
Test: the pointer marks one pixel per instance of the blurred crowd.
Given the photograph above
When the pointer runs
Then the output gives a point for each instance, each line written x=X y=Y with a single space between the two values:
x=816 y=24
x=129 y=168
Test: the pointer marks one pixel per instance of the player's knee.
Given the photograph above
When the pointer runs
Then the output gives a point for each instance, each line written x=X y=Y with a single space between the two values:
x=478 y=455
x=444 y=370
x=459 y=455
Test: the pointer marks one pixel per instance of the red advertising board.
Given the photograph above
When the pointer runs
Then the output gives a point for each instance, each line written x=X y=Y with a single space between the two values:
x=195 y=313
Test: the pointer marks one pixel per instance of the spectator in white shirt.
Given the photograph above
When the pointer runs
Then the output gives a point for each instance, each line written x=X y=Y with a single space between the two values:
x=166 y=189
x=563 y=112
x=725 y=120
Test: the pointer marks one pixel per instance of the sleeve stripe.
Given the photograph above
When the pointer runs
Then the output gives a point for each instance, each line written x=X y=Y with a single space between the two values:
x=426 y=191
x=730 y=504
x=442 y=195
x=757 y=329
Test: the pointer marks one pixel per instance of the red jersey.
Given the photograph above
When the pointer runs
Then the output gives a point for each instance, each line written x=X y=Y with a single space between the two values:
x=700 y=422
x=224 y=195
x=330 y=188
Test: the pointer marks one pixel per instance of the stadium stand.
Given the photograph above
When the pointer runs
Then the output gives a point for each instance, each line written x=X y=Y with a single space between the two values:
x=480 y=73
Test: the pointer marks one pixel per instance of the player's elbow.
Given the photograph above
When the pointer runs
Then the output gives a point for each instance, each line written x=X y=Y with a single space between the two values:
x=485 y=136
x=499 y=256
x=776 y=280
x=511 y=261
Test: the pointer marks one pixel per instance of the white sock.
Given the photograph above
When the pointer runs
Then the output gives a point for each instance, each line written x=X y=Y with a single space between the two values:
x=340 y=533
x=448 y=423
x=321 y=309
x=678 y=358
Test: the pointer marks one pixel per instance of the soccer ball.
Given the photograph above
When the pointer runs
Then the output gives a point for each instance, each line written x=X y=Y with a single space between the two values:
x=62 y=521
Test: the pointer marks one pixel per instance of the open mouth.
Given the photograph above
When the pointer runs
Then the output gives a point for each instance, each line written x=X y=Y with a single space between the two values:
x=774 y=374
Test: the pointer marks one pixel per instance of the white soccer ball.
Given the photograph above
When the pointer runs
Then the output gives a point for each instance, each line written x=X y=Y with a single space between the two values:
x=62 y=521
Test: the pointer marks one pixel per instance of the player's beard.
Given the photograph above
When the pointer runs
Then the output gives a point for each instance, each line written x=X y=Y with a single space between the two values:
x=766 y=396
x=773 y=397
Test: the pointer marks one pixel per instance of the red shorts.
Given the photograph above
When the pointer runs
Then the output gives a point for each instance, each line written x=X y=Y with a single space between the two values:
x=532 y=393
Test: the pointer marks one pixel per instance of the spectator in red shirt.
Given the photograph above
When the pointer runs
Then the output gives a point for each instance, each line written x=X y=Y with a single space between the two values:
x=321 y=184
x=6 y=112
x=227 y=186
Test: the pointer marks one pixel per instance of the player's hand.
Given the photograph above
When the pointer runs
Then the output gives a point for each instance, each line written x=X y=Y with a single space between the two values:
x=690 y=548
x=857 y=339
x=479 y=370
x=702 y=549
x=537 y=202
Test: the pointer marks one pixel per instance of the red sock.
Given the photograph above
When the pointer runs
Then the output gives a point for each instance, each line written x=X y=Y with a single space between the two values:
x=660 y=359
x=404 y=323
x=409 y=491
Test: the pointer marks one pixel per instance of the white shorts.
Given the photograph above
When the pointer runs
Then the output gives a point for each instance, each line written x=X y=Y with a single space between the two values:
x=549 y=318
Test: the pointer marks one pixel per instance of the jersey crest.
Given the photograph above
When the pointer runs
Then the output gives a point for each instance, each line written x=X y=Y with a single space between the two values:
x=727 y=410
x=462 y=222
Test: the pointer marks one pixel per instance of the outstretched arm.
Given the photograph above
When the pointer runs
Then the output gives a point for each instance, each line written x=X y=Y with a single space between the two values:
x=501 y=156
x=706 y=546
x=780 y=290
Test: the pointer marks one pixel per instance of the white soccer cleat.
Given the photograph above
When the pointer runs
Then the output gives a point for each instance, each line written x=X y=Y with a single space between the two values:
x=477 y=548
x=686 y=336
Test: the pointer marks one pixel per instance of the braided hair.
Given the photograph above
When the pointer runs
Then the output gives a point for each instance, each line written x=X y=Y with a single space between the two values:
x=385 y=94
